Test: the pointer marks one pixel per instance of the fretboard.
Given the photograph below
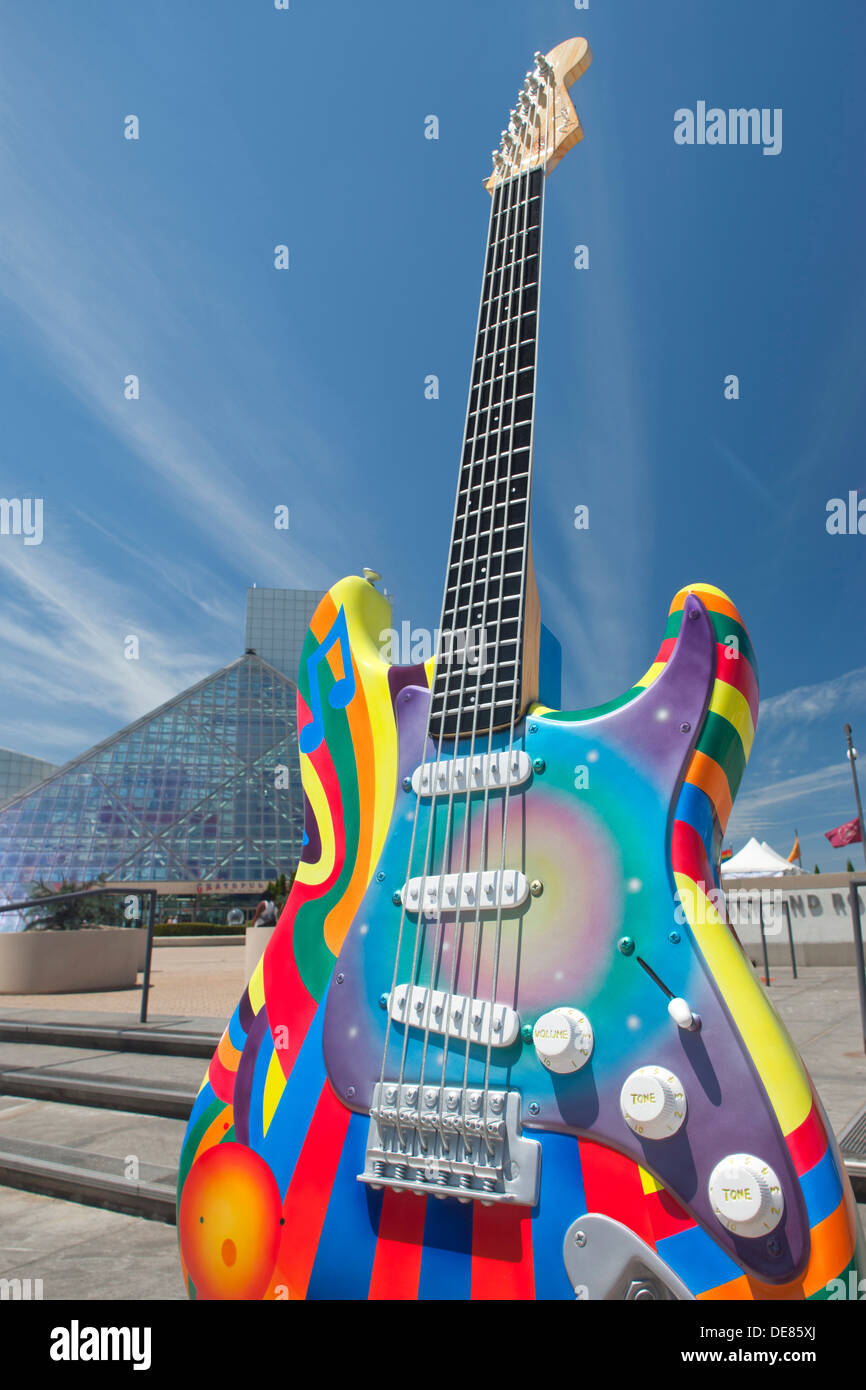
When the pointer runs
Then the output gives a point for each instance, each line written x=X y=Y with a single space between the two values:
x=478 y=680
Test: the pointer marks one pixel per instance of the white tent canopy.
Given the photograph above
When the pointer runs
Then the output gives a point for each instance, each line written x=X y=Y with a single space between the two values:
x=757 y=861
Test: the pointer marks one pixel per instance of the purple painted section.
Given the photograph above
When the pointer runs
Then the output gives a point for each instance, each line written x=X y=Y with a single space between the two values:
x=244 y=1077
x=410 y=711
x=650 y=725
x=312 y=851
x=401 y=676
x=245 y=1011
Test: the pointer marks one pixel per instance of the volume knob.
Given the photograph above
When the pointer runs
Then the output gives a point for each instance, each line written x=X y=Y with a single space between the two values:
x=746 y=1195
x=563 y=1040
x=653 y=1102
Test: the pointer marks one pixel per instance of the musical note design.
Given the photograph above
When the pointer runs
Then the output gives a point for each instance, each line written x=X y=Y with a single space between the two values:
x=342 y=691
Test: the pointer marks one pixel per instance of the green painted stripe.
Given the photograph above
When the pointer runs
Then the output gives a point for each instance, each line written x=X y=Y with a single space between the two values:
x=193 y=1139
x=724 y=628
x=596 y=711
x=314 y=960
x=720 y=740
x=822 y=1295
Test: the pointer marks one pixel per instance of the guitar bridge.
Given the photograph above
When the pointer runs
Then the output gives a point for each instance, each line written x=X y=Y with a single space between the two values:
x=455 y=1143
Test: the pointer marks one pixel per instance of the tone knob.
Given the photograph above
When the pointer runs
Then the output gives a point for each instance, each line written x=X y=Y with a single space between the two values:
x=563 y=1040
x=746 y=1195
x=653 y=1102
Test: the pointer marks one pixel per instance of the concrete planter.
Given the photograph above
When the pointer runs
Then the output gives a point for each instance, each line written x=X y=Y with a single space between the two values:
x=68 y=962
x=257 y=939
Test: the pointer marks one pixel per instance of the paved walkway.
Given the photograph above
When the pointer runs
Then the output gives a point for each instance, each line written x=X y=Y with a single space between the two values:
x=85 y=1253
x=205 y=981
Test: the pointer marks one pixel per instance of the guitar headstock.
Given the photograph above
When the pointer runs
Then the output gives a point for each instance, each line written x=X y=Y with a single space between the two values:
x=544 y=124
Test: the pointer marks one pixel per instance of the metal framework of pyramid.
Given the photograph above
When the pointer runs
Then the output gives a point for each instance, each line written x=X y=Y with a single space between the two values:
x=205 y=788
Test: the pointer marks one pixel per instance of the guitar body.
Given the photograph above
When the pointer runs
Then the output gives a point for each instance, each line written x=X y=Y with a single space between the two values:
x=617 y=827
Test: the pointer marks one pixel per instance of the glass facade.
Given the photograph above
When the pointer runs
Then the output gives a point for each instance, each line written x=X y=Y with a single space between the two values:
x=18 y=772
x=205 y=788
x=277 y=622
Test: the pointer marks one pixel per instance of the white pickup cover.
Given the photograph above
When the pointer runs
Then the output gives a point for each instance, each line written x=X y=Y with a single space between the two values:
x=466 y=1018
x=484 y=892
x=485 y=770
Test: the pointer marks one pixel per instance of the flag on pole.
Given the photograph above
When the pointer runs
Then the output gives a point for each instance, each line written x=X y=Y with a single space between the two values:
x=726 y=853
x=847 y=834
x=795 y=852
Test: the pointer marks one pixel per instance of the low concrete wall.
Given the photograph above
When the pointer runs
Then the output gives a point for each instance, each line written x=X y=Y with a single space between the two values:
x=67 y=962
x=257 y=939
x=820 y=912
x=229 y=939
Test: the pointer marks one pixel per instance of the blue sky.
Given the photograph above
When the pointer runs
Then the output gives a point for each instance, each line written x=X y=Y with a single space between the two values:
x=306 y=387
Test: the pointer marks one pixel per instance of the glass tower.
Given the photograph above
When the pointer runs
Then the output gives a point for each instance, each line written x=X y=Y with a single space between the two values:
x=206 y=787
x=18 y=772
x=277 y=622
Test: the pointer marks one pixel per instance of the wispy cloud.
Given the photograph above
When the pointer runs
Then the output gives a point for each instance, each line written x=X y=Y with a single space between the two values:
x=807 y=703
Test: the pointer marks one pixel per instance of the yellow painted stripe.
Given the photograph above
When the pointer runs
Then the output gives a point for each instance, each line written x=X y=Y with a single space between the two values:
x=275 y=1084
x=770 y=1047
x=652 y=674
x=731 y=705
x=649 y=1183
x=367 y=616
x=256 y=987
x=308 y=872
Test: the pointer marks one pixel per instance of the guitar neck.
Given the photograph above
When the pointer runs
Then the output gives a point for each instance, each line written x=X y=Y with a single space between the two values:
x=486 y=671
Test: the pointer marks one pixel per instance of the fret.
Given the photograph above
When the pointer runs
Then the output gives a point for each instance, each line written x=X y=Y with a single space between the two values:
x=509 y=513
x=515 y=551
x=486 y=442
x=510 y=581
x=499 y=486
x=505 y=357
x=511 y=291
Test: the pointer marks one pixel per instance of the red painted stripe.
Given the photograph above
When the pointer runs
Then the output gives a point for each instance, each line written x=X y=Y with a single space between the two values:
x=221 y=1079
x=306 y=1201
x=665 y=650
x=738 y=673
x=397 y=1265
x=689 y=854
x=666 y=1216
x=808 y=1142
x=613 y=1187
x=502 y=1266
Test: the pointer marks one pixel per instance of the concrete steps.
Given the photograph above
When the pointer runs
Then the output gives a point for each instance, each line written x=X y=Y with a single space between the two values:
x=95 y=1113
x=94 y=1179
x=180 y=1038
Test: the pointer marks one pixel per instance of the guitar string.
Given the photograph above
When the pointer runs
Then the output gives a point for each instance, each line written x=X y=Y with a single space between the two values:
x=499 y=218
x=519 y=237
x=519 y=188
x=434 y=782
x=438 y=934
x=508 y=218
x=500 y=211
x=550 y=131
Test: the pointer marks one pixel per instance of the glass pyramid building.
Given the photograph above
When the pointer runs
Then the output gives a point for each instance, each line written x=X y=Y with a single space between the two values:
x=205 y=788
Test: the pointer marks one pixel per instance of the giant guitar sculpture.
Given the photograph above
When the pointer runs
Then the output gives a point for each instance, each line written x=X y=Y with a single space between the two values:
x=502 y=1043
